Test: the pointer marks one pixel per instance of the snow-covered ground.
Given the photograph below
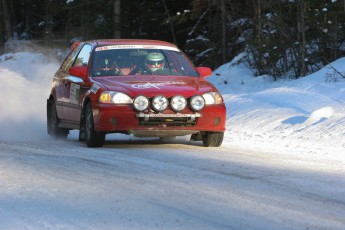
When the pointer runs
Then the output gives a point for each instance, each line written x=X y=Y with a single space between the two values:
x=305 y=116
x=281 y=165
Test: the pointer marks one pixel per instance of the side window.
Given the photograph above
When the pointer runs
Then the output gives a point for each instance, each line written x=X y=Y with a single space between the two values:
x=83 y=56
x=181 y=64
x=70 y=58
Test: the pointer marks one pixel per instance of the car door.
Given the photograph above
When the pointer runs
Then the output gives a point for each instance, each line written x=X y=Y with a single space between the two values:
x=59 y=83
x=73 y=87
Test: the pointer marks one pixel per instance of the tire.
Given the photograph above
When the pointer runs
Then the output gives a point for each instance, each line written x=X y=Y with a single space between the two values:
x=53 y=124
x=212 y=139
x=92 y=138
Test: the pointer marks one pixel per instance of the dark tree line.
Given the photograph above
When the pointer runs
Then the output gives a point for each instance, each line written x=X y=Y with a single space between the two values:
x=88 y=19
x=275 y=37
x=279 y=37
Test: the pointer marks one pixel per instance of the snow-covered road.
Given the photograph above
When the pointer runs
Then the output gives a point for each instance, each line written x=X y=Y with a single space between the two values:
x=144 y=184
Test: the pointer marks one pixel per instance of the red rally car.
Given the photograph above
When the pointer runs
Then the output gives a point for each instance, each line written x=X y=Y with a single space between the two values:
x=142 y=87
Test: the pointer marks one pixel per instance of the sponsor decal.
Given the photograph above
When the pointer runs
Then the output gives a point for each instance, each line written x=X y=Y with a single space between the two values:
x=149 y=85
x=114 y=47
x=74 y=93
x=94 y=88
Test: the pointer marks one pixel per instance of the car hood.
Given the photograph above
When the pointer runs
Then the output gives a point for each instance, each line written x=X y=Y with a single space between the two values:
x=156 y=85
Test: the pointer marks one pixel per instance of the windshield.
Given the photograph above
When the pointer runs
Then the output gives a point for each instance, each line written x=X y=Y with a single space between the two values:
x=140 y=60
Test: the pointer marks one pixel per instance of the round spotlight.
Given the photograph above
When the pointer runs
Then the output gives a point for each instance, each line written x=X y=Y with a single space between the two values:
x=141 y=103
x=178 y=103
x=197 y=103
x=159 y=103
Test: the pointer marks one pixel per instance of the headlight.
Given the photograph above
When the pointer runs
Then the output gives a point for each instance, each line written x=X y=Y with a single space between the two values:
x=141 y=103
x=213 y=98
x=197 y=103
x=115 y=97
x=178 y=103
x=159 y=103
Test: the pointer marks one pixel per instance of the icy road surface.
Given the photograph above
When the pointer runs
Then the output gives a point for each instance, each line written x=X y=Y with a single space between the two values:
x=145 y=184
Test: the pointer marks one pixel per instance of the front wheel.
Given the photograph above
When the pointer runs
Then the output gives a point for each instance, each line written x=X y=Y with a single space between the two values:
x=92 y=138
x=212 y=139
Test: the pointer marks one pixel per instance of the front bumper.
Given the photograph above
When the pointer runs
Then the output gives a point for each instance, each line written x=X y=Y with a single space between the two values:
x=111 y=118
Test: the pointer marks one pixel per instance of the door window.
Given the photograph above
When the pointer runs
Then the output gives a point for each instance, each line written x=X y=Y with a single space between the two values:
x=70 y=58
x=83 y=57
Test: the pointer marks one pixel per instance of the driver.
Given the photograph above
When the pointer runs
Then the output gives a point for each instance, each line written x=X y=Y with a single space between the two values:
x=154 y=62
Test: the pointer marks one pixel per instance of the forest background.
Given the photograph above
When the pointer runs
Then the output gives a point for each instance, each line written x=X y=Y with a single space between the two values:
x=280 y=38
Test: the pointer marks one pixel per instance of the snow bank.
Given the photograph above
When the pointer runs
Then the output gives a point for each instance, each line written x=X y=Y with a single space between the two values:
x=305 y=116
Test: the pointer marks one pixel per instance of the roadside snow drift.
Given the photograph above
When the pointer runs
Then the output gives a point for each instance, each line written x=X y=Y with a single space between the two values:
x=304 y=116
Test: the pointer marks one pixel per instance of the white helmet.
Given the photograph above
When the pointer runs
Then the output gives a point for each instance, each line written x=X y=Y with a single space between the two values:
x=155 y=61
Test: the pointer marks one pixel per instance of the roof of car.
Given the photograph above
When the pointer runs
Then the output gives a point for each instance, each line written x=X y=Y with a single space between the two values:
x=130 y=41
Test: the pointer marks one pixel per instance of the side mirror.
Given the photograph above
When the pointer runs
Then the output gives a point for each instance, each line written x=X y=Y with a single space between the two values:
x=78 y=71
x=204 y=71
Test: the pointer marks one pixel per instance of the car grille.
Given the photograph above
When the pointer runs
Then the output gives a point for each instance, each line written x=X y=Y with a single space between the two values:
x=162 y=121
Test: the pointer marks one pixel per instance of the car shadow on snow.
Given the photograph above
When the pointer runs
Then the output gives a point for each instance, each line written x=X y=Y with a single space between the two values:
x=122 y=140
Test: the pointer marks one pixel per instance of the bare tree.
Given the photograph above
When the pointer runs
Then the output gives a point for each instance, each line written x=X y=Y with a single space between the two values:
x=223 y=19
x=170 y=22
x=8 y=32
x=254 y=7
x=302 y=33
x=2 y=34
x=117 y=18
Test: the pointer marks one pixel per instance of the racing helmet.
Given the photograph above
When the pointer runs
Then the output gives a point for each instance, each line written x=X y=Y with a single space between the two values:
x=155 y=61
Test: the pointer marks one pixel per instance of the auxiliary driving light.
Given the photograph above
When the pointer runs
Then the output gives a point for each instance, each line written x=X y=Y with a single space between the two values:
x=159 y=103
x=197 y=103
x=178 y=103
x=141 y=103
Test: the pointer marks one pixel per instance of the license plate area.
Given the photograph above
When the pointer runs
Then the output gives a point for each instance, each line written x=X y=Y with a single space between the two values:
x=160 y=119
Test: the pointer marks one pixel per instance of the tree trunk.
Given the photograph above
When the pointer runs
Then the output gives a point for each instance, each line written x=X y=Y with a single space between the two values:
x=170 y=22
x=117 y=18
x=7 y=20
x=302 y=31
x=2 y=31
x=255 y=6
x=222 y=10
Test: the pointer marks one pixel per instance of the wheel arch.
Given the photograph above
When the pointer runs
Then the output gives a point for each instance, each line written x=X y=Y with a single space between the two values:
x=82 y=119
x=82 y=113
